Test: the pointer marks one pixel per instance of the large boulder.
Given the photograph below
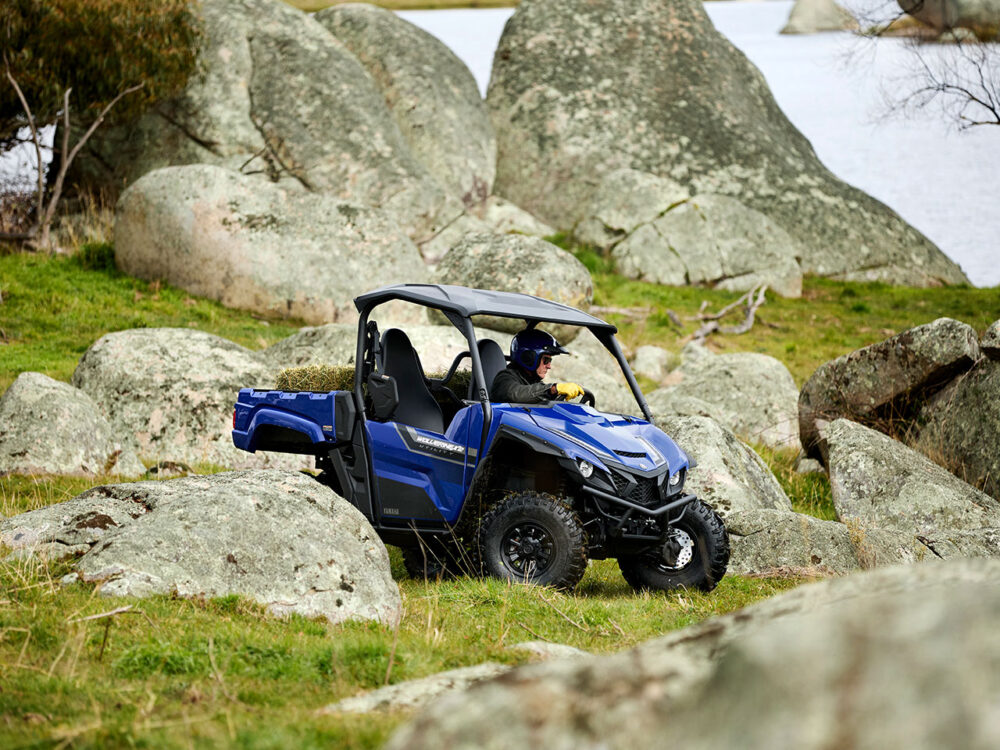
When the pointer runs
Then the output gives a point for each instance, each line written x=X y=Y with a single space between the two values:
x=517 y=263
x=277 y=94
x=882 y=483
x=49 y=427
x=583 y=88
x=729 y=475
x=168 y=394
x=901 y=657
x=812 y=16
x=959 y=427
x=875 y=383
x=944 y=15
x=716 y=240
x=431 y=94
x=754 y=394
x=256 y=245
x=767 y=540
x=279 y=538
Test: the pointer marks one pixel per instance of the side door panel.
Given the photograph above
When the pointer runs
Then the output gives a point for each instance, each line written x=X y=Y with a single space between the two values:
x=420 y=475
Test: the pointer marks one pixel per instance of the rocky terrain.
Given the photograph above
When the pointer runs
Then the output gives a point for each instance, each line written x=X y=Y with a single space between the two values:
x=268 y=185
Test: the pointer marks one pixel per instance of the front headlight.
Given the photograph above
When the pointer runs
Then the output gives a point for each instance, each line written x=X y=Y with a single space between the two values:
x=586 y=468
x=675 y=482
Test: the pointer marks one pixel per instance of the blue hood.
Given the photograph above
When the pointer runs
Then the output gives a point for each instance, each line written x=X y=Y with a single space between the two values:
x=583 y=432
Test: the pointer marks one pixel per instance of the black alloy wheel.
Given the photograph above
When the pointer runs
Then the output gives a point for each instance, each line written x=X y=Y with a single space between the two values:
x=531 y=537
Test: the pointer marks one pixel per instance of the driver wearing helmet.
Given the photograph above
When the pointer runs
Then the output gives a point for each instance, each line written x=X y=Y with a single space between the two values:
x=531 y=354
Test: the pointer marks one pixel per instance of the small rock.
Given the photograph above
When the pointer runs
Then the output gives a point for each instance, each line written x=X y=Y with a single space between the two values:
x=413 y=694
x=546 y=651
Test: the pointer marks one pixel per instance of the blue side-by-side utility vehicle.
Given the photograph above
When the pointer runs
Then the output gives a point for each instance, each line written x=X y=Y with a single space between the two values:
x=527 y=492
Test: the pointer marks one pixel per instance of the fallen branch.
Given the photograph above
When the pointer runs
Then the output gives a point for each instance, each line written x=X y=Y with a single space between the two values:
x=751 y=309
x=750 y=303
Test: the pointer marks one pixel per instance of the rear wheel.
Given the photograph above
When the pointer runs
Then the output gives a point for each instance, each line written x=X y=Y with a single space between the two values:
x=432 y=560
x=531 y=537
x=693 y=553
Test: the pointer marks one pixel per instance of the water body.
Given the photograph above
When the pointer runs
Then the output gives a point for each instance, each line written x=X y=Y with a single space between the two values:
x=945 y=183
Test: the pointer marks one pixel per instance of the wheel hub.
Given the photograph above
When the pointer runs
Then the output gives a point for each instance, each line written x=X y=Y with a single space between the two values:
x=527 y=549
x=677 y=550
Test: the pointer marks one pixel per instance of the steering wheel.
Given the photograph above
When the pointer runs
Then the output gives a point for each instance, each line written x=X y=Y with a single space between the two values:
x=587 y=399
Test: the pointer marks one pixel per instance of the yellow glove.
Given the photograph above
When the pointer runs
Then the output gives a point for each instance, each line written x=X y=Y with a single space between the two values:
x=569 y=390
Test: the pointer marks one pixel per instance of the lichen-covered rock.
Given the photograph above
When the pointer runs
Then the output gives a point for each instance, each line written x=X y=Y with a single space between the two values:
x=624 y=200
x=989 y=344
x=330 y=344
x=276 y=93
x=516 y=263
x=764 y=540
x=729 y=476
x=584 y=88
x=754 y=394
x=812 y=16
x=959 y=427
x=712 y=239
x=49 y=427
x=431 y=94
x=168 y=393
x=867 y=382
x=259 y=246
x=816 y=667
x=947 y=15
x=279 y=538
x=882 y=483
x=414 y=694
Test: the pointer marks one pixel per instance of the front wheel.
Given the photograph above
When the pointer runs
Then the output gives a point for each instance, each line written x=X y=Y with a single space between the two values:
x=693 y=553
x=533 y=538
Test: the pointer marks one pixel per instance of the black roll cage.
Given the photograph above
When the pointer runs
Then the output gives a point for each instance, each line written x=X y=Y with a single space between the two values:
x=459 y=304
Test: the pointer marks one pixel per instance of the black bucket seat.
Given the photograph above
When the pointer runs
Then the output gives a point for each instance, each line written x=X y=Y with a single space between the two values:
x=417 y=407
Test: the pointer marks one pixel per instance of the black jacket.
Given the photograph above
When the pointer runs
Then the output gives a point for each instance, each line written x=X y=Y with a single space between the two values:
x=519 y=386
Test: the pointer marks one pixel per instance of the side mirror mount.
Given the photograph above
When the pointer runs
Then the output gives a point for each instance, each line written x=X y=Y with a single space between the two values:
x=383 y=394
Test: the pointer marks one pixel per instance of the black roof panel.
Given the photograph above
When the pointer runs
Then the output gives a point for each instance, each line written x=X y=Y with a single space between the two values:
x=468 y=302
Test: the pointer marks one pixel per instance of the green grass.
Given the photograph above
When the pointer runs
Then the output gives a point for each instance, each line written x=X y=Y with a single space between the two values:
x=54 y=308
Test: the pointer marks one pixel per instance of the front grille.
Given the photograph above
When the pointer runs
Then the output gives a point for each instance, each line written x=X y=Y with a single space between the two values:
x=642 y=492
x=631 y=454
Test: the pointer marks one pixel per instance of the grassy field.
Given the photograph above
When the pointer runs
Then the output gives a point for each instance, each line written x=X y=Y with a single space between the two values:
x=221 y=672
x=193 y=673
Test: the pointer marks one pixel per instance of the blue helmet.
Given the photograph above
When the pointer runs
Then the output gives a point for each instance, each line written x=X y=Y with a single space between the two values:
x=530 y=344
